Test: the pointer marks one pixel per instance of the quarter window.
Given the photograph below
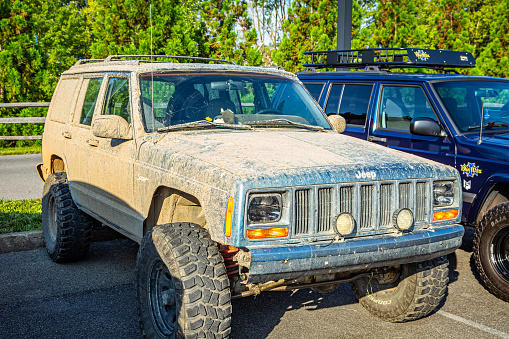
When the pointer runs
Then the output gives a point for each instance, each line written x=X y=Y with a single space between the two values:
x=63 y=100
x=400 y=104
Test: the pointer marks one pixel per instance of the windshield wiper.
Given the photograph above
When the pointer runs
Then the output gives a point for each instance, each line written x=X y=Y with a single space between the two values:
x=201 y=124
x=283 y=123
x=490 y=125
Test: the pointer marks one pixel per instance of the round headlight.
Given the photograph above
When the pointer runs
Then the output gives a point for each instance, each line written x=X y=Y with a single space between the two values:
x=403 y=219
x=345 y=223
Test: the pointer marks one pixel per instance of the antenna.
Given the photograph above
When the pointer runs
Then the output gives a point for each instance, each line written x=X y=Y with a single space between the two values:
x=152 y=69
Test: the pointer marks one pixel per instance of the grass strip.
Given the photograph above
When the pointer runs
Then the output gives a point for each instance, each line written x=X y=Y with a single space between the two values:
x=36 y=149
x=20 y=215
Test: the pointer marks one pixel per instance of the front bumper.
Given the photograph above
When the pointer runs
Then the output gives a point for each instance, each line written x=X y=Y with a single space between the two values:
x=286 y=262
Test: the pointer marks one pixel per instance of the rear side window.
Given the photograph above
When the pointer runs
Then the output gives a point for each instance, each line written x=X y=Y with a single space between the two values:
x=351 y=101
x=89 y=102
x=315 y=89
x=62 y=100
x=334 y=99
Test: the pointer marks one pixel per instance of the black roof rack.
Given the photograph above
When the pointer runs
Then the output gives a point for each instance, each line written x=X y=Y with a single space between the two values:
x=390 y=58
x=121 y=57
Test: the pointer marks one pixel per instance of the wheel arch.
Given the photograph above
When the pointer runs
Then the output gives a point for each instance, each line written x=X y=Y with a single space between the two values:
x=170 y=205
x=57 y=164
x=494 y=192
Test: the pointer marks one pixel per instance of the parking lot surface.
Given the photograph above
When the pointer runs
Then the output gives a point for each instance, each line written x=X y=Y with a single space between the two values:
x=96 y=298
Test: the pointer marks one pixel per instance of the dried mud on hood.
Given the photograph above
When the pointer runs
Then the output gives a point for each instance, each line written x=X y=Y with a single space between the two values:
x=248 y=153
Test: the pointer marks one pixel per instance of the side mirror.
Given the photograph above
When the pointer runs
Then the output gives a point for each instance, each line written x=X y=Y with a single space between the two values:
x=112 y=127
x=337 y=122
x=427 y=127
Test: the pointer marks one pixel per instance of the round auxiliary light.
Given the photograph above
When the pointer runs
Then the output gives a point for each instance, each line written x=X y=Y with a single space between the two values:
x=403 y=219
x=345 y=223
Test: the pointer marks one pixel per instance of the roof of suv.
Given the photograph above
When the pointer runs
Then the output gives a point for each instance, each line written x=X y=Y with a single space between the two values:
x=396 y=76
x=145 y=66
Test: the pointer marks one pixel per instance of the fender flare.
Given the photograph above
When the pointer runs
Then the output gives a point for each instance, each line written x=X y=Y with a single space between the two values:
x=499 y=177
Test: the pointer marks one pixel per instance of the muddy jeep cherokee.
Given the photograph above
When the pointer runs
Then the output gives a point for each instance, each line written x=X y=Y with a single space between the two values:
x=234 y=182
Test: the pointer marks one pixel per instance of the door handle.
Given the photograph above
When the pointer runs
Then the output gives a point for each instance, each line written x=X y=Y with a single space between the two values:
x=93 y=142
x=66 y=134
x=376 y=139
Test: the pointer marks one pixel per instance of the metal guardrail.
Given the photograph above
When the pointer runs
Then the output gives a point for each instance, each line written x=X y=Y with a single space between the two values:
x=24 y=120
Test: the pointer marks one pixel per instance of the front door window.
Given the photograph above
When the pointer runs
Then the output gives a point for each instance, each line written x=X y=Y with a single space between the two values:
x=117 y=99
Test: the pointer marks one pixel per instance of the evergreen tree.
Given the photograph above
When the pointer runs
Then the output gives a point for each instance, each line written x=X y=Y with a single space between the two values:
x=63 y=30
x=123 y=27
x=23 y=63
x=224 y=20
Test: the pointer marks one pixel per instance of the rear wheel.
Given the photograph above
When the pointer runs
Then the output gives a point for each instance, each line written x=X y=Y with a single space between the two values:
x=67 y=230
x=491 y=250
x=182 y=286
x=415 y=291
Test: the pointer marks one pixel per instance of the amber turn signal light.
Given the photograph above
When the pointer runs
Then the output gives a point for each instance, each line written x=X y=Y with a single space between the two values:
x=443 y=215
x=267 y=233
x=229 y=218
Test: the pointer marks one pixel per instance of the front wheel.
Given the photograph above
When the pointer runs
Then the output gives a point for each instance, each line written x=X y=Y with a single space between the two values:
x=415 y=291
x=491 y=250
x=182 y=286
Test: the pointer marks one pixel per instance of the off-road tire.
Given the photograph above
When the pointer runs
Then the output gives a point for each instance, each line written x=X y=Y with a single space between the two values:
x=418 y=291
x=491 y=250
x=182 y=286
x=67 y=231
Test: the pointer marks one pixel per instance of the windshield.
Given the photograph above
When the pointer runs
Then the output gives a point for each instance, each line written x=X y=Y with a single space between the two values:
x=225 y=99
x=467 y=100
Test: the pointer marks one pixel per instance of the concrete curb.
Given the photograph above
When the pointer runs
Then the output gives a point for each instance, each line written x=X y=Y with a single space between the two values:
x=21 y=241
x=31 y=240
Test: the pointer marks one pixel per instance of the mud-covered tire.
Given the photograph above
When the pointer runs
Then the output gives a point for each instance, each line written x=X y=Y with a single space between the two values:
x=67 y=231
x=491 y=250
x=181 y=283
x=418 y=291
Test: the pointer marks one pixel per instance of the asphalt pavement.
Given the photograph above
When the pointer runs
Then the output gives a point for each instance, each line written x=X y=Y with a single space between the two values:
x=19 y=178
x=96 y=298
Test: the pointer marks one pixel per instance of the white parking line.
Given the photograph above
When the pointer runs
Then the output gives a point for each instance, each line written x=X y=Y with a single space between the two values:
x=473 y=324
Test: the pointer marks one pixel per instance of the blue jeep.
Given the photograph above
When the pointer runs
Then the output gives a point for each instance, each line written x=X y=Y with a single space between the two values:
x=458 y=120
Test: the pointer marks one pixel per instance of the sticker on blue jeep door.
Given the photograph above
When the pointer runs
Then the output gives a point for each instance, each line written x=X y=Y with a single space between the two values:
x=470 y=169
x=467 y=184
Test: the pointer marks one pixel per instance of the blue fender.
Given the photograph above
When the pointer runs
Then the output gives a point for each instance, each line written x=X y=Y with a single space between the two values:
x=496 y=178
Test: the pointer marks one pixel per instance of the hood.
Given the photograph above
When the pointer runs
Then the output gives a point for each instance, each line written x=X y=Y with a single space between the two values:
x=270 y=153
x=494 y=147
x=501 y=139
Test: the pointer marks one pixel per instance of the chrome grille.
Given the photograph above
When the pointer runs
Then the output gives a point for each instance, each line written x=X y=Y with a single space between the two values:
x=324 y=209
x=385 y=204
x=404 y=195
x=366 y=206
x=302 y=211
x=345 y=199
x=420 y=201
x=372 y=204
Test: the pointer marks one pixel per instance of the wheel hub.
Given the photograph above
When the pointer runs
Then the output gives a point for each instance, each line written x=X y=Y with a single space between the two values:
x=163 y=299
x=500 y=253
x=52 y=219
